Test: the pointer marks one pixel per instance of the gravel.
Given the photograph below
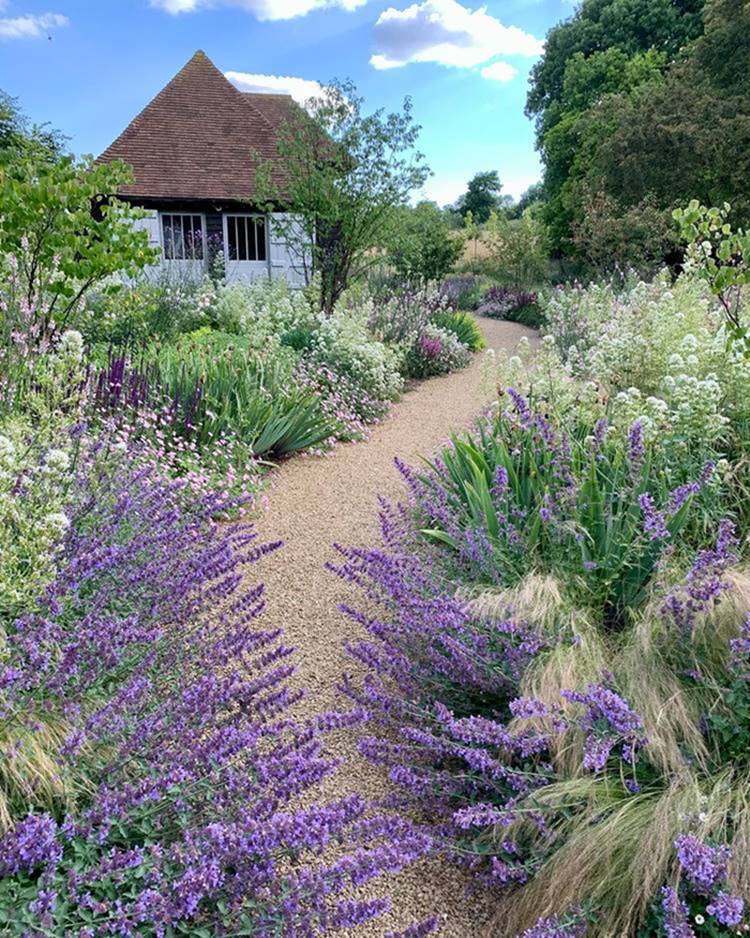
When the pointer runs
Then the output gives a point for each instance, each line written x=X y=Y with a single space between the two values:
x=318 y=501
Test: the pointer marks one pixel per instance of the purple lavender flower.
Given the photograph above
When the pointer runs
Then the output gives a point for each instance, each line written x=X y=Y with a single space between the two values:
x=705 y=867
x=675 y=913
x=31 y=844
x=572 y=926
x=636 y=448
x=608 y=721
x=654 y=522
x=705 y=581
x=726 y=909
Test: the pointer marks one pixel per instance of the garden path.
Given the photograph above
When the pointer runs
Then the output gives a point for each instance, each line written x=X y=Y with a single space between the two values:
x=315 y=502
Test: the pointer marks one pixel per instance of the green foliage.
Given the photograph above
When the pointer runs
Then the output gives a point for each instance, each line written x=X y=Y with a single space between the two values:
x=463 y=326
x=721 y=257
x=515 y=250
x=424 y=247
x=481 y=196
x=638 y=110
x=64 y=228
x=161 y=308
x=346 y=175
x=222 y=389
x=599 y=550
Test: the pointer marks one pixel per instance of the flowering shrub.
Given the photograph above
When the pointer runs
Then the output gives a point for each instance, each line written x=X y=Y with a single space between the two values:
x=261 y=311
x=344 y=344
x=521 y=492
x=663 y=346
x=463 y=326
x=159 y=307
x=435 y=351
x=402 y=314
x=510 y=303
x=462 y=291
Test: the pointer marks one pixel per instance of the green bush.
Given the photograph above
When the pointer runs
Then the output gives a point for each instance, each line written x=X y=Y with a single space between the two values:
x=463 y=326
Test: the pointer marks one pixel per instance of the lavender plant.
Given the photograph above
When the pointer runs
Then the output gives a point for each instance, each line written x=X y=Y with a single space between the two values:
x=176 y=763
x=521 y=493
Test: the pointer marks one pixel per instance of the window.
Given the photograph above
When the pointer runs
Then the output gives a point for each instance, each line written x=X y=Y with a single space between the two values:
x=182 y=237
x=246 y=237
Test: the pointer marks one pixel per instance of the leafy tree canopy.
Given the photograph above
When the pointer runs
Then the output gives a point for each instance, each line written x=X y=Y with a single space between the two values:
x=346 y=175
x=424 y=245
x=482 y=196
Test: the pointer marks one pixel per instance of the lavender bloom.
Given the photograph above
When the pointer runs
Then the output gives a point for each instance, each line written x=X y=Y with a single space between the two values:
x=31 y=844
x=704 y=866
x=418 y=930
x=654 y=522
x=636 y=448
x=705 y=581
x=740 y=647
x=608 y=722
x=600 y=434
x=570 y=927
x=675 y=913
x=726 y=909
x=149 y=644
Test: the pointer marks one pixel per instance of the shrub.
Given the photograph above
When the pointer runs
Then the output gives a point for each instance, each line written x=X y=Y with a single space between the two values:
x=64 y=230
x=462 y=291
x=262 y=311
x=512 y=304
x=573 y=768
x=345 y=346
x=435 y=352
x=399 y=315
x=463 y=326
x=423 y=247
x=161 y=307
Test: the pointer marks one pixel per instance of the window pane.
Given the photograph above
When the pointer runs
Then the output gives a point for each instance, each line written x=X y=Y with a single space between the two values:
x=260 y=234
x=182 y=236
x=246 y=238
x=166 y=222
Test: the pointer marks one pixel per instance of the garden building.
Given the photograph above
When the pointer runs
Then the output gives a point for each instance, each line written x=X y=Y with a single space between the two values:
x=195 y=151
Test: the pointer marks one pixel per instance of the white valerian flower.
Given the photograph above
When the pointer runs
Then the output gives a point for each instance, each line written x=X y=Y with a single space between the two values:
x=56 y=462
x=55 y=524
x=7 y=450
x=71 y=346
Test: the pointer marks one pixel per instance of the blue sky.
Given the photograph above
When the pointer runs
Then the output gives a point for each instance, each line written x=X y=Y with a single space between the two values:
x=89 y=67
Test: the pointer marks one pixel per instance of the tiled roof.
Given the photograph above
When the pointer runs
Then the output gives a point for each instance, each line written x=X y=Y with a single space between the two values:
x=201 y=138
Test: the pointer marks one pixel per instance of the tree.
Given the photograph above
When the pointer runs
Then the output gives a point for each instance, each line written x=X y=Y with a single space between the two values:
x=16 y=131
x=608 y=48
x=424 y=246
x=515 y=249
x=345 y=175
x=63 y=229
x=481 y=196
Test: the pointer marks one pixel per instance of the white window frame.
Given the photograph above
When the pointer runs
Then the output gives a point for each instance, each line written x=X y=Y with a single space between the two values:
x=266 y=237
x=182 y=260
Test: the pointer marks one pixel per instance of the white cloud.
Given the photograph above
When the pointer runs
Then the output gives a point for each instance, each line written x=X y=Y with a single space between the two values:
x=262 y=9
x=299 y=88
x=448 y=33
x=499 y=71
x=30 y=25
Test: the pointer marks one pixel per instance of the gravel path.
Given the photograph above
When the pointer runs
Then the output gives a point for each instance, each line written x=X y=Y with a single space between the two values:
x=315 y=502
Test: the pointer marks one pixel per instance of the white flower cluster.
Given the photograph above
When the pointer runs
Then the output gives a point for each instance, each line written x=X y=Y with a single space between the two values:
x=659 y=352
x=262 y=311
x=344 y=344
